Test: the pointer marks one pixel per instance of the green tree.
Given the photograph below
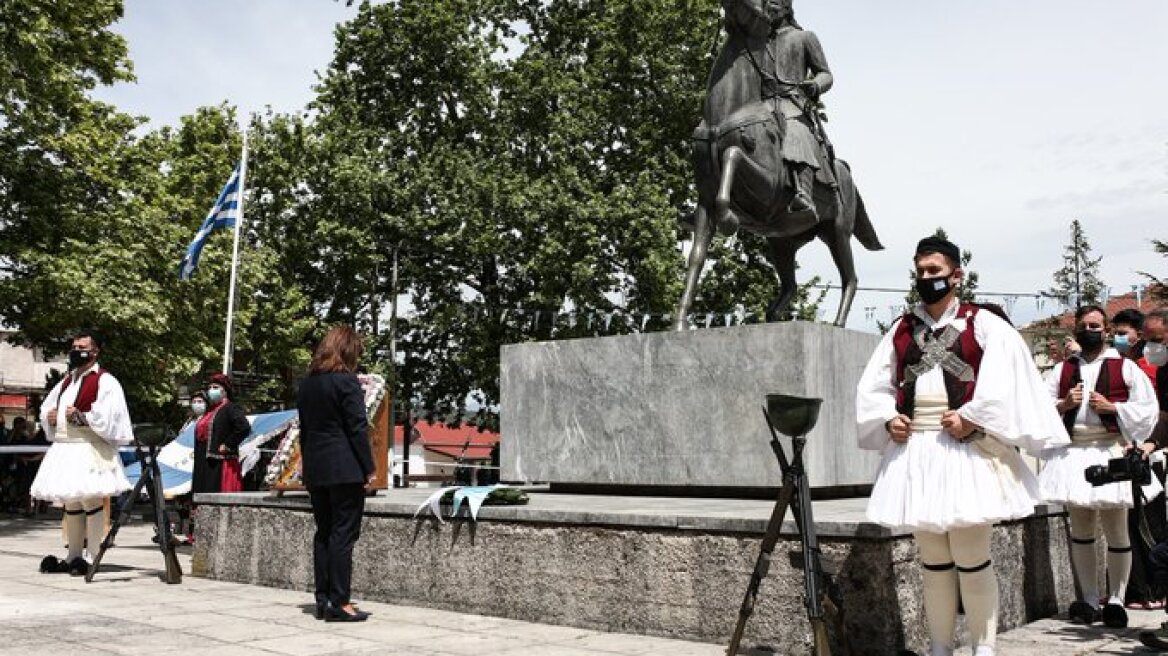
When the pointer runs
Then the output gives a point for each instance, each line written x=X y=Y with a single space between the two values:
x=1159 y=286
x=528 y=159
x=137 y=202
x=1078 y=283
x=51 y=133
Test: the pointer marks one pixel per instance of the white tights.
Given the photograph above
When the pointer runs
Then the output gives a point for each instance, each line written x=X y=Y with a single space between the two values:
x=1119 y=555
x=958 y=563
x=84 y=520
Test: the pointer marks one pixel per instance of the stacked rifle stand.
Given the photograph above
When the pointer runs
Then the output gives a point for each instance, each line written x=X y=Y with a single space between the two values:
x=795 y=416
x=151 y=481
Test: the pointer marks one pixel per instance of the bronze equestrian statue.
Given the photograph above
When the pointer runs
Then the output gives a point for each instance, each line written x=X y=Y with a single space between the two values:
x=762 y=159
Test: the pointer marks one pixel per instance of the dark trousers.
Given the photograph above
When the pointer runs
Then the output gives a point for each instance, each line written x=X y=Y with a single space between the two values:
x=1158 y=558
x=1144 y=584
x=337 y=510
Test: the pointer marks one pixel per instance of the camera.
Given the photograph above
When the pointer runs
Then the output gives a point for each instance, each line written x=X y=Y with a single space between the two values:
x=1131 y=467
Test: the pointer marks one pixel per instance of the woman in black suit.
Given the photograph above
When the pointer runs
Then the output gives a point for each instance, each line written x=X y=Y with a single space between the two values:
x=337 y=464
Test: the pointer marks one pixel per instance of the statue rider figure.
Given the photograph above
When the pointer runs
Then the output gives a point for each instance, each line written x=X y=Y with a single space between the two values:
x=800 y=75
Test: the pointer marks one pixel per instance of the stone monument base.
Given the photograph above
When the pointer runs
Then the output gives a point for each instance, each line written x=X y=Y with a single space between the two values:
x=673 y=410
x=668 y=567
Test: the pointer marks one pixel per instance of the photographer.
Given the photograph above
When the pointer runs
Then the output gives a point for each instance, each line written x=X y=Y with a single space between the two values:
x=1106 y=402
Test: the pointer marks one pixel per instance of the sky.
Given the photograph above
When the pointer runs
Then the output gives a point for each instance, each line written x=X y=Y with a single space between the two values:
x=998 y=120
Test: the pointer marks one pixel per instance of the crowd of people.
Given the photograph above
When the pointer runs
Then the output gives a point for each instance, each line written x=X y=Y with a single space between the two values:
x=951 y=398
x=17 y=470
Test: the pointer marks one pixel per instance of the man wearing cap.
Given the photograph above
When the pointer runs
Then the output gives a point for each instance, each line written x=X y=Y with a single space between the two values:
x=1107 y=403
x=86 y=419
x=948 y=394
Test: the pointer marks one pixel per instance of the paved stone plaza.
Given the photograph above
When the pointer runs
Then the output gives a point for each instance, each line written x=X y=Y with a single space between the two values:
x=128 y=610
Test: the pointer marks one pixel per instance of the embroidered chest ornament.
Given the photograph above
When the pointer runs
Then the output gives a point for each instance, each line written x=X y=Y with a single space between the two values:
x=935 y=352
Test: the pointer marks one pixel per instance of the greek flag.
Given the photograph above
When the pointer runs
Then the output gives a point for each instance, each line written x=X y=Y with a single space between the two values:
x=223 y=214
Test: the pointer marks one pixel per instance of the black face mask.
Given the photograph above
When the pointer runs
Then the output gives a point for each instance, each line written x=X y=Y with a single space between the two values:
x=79 y=358
x=1089 y=339
x=933 y=289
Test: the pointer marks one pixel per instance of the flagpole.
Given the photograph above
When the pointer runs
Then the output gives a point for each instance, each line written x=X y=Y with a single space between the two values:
x=227 y=346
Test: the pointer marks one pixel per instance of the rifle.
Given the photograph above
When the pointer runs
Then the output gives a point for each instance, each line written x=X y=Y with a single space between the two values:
x=822 y=597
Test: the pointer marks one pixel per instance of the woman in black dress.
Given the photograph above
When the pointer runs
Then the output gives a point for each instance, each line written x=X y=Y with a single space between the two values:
x=337 y=465
x=218 y=434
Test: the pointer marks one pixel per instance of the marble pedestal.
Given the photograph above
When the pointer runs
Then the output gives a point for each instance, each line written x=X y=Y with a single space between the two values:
x=680 y=409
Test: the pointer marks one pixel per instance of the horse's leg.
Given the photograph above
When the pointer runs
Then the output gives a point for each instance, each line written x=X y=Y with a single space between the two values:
x=703 y=234
x=746 y=179
x=724 y=218
x=781 y=253
x=838 y=238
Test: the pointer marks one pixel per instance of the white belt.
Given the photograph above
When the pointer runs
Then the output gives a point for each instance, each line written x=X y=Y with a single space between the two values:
x=927 y=411
x=1086 y=435
x=105 y=455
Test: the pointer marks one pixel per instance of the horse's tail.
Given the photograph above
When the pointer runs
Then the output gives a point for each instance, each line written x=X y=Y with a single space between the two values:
x=861 y=224
x=864 y=231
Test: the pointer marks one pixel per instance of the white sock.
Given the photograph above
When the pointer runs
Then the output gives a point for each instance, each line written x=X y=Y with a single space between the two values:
x=979 y=591
x=1118 y=571
x=74 y=532
x=1119 y=552
x=95 y=530
x=941 y=609
x=1083 y=558
x=984 y=650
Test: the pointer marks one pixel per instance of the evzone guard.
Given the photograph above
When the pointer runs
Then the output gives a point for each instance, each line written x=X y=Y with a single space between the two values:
x=1107 y=404
x=949 y=393
x=86 y=419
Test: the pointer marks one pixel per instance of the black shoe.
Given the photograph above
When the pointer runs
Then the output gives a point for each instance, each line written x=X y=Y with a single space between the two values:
x=334 y=614
x=1114 y=616
x=318 y=612
x=1082 y=612
x=78 y=567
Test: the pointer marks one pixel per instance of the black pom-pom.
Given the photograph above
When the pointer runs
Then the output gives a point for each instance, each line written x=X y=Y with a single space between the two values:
x=49 y=565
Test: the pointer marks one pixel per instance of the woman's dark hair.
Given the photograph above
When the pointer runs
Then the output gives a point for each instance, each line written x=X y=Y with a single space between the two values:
x=337 y=352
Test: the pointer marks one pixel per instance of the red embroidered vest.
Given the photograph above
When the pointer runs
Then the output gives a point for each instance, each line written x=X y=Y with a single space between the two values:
x=88 y=392
x=1110 y=384
x=908 y=353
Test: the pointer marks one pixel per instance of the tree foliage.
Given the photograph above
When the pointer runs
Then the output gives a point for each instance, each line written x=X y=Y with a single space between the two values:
x=528 y=159
x=1159 y=286
x=1078 y=282
x=525 y=160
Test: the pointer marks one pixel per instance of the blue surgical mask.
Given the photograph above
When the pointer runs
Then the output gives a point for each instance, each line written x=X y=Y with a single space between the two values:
x=214 y=395
x=198 y=407
x=1121 y=343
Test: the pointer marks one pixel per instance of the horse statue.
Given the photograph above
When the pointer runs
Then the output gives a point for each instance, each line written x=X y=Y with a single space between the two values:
x=746 y=177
